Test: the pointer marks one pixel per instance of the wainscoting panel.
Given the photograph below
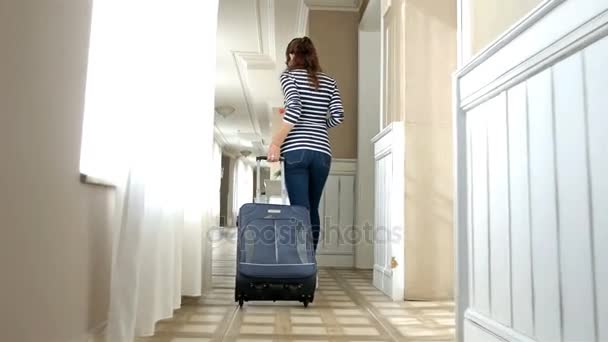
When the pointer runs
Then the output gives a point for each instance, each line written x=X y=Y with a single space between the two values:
x=389 y=227
x=382 y=270
x=543 y=209
x=479 y=228
x=498 y=188
x=596 y=81
x=337 y=212
x=573 y=200
x=519 y=204
x=346 y=216
x=532 y=130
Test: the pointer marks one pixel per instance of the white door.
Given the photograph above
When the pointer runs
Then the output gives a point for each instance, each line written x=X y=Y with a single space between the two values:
x=389 y=247
x=532 y=180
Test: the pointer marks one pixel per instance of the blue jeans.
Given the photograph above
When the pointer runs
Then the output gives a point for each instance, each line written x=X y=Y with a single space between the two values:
x=305 y=174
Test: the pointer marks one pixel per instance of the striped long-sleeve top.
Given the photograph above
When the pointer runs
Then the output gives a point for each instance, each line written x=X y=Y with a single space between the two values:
x=312 y=111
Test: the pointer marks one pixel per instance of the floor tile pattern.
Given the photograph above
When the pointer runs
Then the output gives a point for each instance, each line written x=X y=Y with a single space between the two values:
x=346 y=308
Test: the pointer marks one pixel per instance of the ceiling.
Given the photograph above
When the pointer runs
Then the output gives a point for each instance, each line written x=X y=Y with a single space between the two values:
x=252 y=36
x=370 y=22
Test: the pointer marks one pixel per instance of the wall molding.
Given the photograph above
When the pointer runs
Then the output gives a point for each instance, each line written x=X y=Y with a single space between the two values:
x=509 y=35
x=344 y=167
x=344 y=160
x=385 y=7
x=576 y=40
x=388 y=129
x=462 y=266
x=511 y=54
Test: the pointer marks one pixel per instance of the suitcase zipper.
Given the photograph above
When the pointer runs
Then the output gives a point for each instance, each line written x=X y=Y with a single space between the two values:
x=276 y=243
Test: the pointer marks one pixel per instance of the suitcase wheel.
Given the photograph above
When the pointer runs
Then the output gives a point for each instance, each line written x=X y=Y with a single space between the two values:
x=240 y=302
x=305 y=303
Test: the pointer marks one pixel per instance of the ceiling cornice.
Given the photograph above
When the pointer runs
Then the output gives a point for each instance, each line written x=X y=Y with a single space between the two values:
x=263 y=59
x=255 y=60
x=266 y=28
x=219 y=137
x=302 y=21
x=322 y=5
x=362 y=7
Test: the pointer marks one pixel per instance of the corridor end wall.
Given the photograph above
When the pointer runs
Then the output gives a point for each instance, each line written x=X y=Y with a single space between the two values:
x=335 y=35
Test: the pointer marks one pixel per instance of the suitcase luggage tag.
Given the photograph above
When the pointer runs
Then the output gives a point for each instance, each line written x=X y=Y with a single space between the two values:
x=258 y=187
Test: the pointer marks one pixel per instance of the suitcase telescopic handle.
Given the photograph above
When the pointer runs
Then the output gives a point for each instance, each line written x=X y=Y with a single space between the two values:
x=258 y=160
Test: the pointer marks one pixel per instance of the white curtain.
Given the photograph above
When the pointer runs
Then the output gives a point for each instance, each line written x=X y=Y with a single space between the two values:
x=217 y=167
x=242 y=187
x=149 y=82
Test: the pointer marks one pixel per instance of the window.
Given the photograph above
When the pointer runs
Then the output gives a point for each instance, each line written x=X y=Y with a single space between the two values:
x=148 y=92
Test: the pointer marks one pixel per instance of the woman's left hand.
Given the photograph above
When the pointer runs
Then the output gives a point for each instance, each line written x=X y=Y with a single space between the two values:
x=274 y=153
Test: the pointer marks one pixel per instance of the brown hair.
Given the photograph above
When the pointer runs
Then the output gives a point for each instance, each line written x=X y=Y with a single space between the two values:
x=304 y=57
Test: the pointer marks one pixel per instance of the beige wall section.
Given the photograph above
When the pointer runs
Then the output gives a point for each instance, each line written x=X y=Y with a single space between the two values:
x=490 y=18
x=335 y=35
x=55 y=243
x=430 y=61
x=422 y=51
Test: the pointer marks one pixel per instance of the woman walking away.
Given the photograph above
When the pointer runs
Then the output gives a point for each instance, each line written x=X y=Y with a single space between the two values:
x=310 y=95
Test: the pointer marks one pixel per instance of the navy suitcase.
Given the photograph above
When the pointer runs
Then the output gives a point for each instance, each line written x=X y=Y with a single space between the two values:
x=275 y=254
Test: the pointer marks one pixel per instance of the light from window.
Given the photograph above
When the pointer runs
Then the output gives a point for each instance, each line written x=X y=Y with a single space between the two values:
x=148 y=92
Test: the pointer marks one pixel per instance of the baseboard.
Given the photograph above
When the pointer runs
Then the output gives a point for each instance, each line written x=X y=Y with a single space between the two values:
x=492 y=327
x=332 y=260
x=364 y=268
x=97 y=333
x=475 y=333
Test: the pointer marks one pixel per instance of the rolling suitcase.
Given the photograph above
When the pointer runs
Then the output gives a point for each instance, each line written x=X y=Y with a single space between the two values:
x=275 y=254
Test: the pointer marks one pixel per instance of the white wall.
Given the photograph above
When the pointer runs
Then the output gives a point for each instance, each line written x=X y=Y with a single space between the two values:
x=55 y=244
x=536 y=152
x=369 y=112
x=242 y=185
x=230 y=222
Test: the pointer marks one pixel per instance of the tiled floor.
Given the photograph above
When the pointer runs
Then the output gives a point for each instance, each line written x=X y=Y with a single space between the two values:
x=346 y=308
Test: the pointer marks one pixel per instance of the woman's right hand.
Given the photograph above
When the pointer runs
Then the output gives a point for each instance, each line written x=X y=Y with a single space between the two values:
x=274 y=153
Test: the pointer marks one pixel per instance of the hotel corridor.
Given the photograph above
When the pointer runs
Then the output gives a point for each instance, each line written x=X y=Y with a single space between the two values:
x=346 y=308
x=466 y=199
